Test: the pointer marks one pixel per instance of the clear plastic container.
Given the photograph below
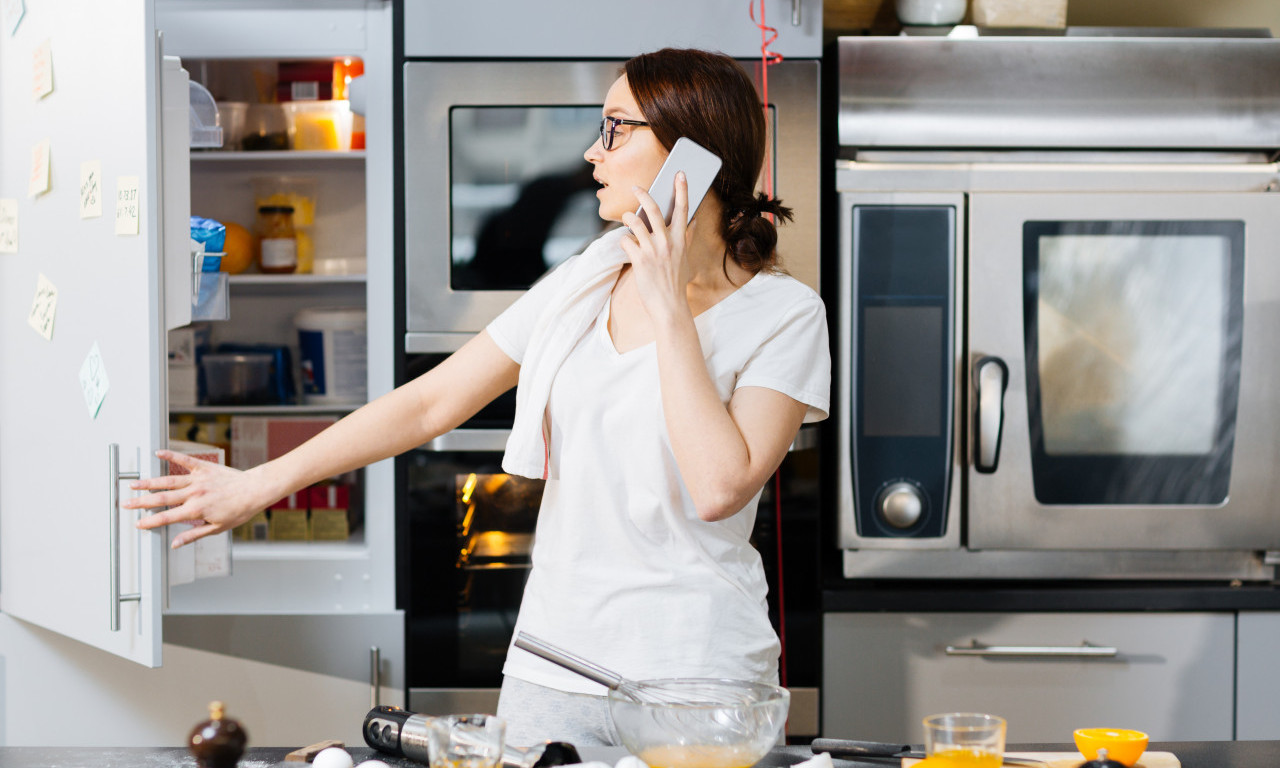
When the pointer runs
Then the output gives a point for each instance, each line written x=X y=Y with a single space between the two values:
x=238 y=378
x=231 y=117
x=297 y=192
x=204 y=129
x=266 y=127
x=319 y=125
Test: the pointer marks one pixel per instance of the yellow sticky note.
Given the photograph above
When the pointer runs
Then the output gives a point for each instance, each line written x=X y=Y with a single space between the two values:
x=127 y=205
x=38 y=182
x=42 y=70
x=43 y=308
x=90 y=189
x=8 y=225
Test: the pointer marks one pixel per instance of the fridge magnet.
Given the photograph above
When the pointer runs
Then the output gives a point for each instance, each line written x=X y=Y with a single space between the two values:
x=12 y=11
x=93 y=381
x=42 y=71
x=127 y=205
x=90 y=189
x=38 y=183
x=43 y=308
x=8 y=225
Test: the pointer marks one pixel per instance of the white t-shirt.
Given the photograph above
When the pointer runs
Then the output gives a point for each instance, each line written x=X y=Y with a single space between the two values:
x=624 y=572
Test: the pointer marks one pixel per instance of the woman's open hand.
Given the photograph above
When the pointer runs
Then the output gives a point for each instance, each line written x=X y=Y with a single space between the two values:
x=662 y=272
x=213 y=497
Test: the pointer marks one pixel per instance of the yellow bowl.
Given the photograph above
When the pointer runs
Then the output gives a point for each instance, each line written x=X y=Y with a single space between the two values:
x=1123 y=746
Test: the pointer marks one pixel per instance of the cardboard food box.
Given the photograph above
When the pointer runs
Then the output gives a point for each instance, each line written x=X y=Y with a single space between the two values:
x=329 y=507
x=287 y=519
x=1051 y=14
x=211 y=555
x=258 y=439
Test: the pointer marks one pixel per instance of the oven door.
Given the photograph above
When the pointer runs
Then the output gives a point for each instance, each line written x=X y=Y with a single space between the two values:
x=1124 y=391
x=469 y=534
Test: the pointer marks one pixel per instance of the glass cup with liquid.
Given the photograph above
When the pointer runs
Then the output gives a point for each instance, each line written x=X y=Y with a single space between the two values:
x=466 y=741
x=964 y=740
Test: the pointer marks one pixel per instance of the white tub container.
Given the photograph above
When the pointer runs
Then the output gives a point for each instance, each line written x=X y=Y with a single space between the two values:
x=334 y=352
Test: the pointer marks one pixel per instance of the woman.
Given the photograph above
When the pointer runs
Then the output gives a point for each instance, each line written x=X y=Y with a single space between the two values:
x=662 y=375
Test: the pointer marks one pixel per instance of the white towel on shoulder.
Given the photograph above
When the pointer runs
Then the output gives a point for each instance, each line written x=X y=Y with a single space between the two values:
x=563 y=321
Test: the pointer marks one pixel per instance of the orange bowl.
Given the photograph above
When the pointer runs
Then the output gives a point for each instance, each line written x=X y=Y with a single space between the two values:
x=1123 y=746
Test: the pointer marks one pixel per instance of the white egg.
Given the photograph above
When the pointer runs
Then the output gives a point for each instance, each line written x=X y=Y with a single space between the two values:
x=333 y=757
x=373 y=764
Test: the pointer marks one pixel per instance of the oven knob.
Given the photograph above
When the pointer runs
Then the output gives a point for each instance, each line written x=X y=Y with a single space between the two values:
x=900 y=505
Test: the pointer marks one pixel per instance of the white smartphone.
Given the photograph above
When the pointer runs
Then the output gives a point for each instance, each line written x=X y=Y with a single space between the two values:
x=700 y=167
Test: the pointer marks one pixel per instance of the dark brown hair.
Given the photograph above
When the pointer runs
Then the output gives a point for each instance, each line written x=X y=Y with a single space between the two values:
x=710 y=98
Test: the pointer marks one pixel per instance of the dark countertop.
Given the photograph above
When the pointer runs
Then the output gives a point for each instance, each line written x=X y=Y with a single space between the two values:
x=935 y=595
x=1192 y=754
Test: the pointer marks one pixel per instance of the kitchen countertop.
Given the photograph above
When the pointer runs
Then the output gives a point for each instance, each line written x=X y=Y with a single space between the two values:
x=1192 y=754
x=934 y=595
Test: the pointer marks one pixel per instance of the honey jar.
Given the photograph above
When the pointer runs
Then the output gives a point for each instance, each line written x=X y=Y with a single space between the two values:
x=279 y=247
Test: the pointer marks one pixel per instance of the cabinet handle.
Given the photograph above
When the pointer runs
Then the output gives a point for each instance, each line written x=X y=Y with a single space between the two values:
x=795 y=13
x=1085 y=650
x=114 y=475
x=991 y=379
x=375 y=676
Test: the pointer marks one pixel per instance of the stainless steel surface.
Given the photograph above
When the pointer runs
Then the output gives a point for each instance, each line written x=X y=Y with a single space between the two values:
x=900 y=505
x=445 y=701
x=375 y=676
x=432 y=88
x=115 y=476
x=569 y=661
x=415 y=738
x=844 y=392
x=469 y=440
x=1069 y=92
x=993 y=379
x=795 y=13
x=1051 y=564
x=1085 y=650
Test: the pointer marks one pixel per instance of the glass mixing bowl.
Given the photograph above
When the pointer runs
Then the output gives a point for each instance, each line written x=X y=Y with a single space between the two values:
x=701 y=722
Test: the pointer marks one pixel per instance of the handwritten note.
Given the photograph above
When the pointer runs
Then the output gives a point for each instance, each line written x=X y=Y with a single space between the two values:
x=43 y=308
x=42 y=71
x=90 y=189
x=8 y=225
x=93 y=381
x=11 y=11
x=38 y=182
x=127 y=205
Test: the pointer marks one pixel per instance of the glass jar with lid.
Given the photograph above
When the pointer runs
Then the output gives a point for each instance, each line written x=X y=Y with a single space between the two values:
x=279 y=248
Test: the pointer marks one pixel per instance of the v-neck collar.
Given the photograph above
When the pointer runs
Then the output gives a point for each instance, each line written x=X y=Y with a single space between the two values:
x=704 y=329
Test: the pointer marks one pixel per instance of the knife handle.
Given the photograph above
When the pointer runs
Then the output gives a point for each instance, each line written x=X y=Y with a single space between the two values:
x=852 y=748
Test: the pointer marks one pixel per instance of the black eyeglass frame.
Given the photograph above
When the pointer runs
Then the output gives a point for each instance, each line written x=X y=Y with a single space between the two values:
x=607 y=138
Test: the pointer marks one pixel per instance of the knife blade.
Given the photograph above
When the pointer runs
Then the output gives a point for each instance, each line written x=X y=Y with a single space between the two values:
x=862 y=750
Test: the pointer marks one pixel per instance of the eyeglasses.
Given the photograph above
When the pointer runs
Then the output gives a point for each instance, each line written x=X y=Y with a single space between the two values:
x=610 y=134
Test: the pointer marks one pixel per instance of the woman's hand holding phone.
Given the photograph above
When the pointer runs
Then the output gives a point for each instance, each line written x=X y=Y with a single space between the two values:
x=658 y=257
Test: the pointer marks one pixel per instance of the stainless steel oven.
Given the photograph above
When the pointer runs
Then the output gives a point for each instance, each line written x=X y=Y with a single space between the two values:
x=496 y=190
x=1059 y=289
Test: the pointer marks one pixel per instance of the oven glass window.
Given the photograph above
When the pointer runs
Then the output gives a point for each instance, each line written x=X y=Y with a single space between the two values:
x=1133 y=354
x=521 y=196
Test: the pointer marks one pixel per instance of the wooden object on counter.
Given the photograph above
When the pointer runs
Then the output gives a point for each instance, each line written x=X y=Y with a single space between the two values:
x=219 y=741
x=1075 y=759
x=307 y=754
x=858 y=14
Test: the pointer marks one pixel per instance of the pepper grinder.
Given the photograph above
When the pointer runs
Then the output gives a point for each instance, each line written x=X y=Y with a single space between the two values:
x=1102 y=761
x=219 y=741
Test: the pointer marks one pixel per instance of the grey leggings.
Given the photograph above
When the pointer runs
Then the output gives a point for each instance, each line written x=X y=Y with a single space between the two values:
x=535 y=714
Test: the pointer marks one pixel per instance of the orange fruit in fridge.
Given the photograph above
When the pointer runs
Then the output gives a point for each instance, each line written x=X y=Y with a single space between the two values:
x=238 y=249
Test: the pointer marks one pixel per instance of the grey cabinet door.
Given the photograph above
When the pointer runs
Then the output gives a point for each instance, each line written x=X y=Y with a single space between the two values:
x=1172 y=676
x=55 y=492
x=1258 y=676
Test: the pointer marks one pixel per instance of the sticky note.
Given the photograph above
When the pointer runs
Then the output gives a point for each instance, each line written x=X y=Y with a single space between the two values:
x=127 y=205
x=43 y=308
x=38 y=183
x=8 y=225
x=11 y=12
x=42 y=70
x=90 y=189
x=93 y=381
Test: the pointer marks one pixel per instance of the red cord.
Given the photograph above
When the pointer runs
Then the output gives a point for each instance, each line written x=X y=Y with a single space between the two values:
x=767 y=59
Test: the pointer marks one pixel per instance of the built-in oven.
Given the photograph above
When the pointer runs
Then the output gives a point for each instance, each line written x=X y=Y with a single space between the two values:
x=1058 y=308
x=495 y=192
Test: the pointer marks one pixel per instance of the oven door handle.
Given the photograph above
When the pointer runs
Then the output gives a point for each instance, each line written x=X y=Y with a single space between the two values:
x=469 y=440
x=1085 y=650
x=990 y=380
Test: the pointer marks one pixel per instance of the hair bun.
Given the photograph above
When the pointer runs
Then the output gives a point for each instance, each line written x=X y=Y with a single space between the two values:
x=751 y=238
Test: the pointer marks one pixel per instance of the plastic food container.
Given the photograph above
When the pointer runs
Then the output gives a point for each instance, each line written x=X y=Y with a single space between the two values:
x=297 y=192
x=238 y=378
x=318 y=125
x=266 y=127
x=205 y=132
x=333 y=349
x=231 y=117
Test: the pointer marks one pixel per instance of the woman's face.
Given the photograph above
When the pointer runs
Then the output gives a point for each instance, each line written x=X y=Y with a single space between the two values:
x=634 y=160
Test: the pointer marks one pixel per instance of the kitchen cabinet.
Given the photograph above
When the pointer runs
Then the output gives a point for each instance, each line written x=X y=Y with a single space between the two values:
x=1257 y=675
x=1172 y=675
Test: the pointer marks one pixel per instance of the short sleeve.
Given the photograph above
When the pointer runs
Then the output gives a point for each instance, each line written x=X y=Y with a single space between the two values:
x=512 y=329
x=795 y=358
